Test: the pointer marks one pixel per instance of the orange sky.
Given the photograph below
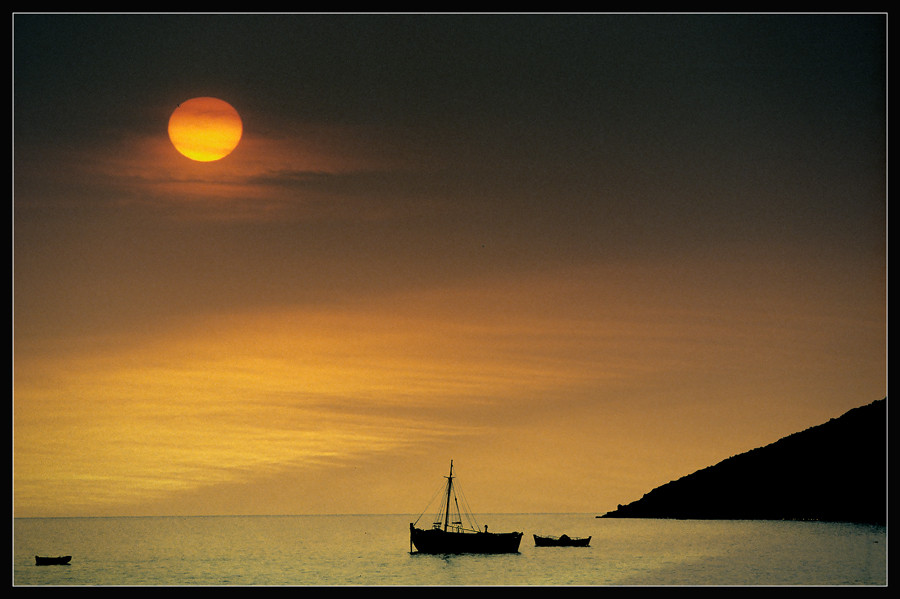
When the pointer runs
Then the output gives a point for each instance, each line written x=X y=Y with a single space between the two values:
x=580 y=256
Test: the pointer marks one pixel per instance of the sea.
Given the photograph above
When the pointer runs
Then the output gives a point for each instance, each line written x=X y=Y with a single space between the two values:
x=374 y=550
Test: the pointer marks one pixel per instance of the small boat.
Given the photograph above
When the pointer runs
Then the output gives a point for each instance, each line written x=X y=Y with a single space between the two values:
x=562 y=541
x=60 y=560
x=448 y=534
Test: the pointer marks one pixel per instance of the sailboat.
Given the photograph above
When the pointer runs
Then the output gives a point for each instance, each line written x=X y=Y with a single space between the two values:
x=448 y=534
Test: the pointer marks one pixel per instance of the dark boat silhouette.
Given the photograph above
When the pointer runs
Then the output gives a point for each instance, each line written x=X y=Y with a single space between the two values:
x=60 y=560
x=561 y=541
x=448 y=534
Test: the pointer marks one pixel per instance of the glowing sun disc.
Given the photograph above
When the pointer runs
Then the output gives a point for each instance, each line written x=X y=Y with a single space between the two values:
x=205 y=129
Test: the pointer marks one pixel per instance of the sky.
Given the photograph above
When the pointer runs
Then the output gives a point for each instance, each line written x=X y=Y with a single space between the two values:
x=579 y=255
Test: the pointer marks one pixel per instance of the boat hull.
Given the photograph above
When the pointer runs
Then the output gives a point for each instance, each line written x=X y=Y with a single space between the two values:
x=62 y=560
x=563 y=541
x=435 y=541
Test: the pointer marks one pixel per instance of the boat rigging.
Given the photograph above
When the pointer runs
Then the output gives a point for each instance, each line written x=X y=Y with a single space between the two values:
x=448 y=535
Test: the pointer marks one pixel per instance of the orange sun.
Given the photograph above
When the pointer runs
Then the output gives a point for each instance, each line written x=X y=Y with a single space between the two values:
x=205 y=129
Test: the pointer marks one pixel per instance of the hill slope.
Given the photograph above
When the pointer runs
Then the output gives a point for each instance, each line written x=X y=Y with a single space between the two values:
x=836 y=471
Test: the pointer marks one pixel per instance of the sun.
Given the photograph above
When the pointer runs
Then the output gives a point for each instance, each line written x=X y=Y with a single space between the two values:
x=205 y=129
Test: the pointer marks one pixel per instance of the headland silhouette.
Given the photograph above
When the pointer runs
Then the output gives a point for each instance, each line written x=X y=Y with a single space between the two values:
x=836 y=471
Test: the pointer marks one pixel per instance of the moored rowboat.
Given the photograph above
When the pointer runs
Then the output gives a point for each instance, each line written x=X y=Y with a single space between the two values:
x=59 y=560
x=561 y=541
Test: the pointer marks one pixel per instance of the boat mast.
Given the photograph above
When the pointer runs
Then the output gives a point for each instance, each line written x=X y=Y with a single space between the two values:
x=449 y=491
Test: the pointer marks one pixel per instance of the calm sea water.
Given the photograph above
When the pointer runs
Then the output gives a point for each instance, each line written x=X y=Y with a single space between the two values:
x=374 y=550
